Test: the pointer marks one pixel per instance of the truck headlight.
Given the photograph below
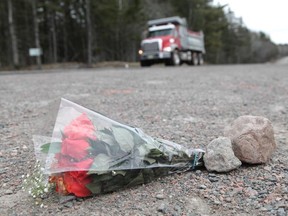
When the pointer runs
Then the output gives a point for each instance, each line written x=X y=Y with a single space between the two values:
x=171 y=40
x=167 y=49
x=140 y=52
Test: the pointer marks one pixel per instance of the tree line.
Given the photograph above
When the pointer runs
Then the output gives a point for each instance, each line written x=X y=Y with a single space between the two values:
x=94 y=31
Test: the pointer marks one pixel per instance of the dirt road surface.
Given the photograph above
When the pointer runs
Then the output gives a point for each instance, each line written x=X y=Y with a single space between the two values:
x=187 y=105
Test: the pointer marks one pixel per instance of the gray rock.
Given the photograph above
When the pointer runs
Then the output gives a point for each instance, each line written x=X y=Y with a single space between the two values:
x=202 y=187
x=8 y=191
x=252 y=139
x=220 y=157
x=160 y=196
x=281 y=212
x=161 y=208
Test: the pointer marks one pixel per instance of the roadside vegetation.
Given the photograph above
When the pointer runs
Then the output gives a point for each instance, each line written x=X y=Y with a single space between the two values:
x=90 y=32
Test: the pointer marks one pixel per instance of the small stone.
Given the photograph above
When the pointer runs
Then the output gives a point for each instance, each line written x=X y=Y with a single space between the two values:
x=212 y=175
x=202 y=187
x=162 y=208
x=65 y=199
x=68 y=204
x=8 y=192
x=160 y=196
x=220 y=157
x=198 y=172
x=262 y=192
x=268 y=168
x=263 y=209
x=2 y=171
x=14 y=152
x=228 y=199
x=213 y=179
x=272 y=179
x=281 y=212
x=177 y=208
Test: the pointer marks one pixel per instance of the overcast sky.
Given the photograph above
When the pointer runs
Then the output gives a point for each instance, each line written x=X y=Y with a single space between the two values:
x=269 y=16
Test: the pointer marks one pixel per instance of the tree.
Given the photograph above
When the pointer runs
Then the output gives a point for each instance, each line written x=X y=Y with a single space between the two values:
x=36 y=33
x=89 y=33
x=13 y=35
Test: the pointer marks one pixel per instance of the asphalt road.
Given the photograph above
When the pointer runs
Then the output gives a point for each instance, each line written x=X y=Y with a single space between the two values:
x=188 y=105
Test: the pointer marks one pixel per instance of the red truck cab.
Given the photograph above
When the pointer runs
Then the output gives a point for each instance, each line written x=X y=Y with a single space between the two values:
x=169 y=41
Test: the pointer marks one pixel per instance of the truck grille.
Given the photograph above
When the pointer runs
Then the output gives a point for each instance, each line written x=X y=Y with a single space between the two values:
x=150 y=47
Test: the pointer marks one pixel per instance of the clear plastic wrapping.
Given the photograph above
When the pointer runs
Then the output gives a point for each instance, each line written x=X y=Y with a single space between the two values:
x=92 y=154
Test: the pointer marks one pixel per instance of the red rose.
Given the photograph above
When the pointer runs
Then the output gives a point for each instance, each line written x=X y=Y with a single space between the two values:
x=73 y=156
x=77 y=149
x=80 y=128
x=72 y=182
x=75 y=183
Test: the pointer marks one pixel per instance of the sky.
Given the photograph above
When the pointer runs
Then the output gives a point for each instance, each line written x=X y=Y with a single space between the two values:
x=270 y=17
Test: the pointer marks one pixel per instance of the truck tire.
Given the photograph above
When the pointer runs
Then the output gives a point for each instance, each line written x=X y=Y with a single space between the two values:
x=194 y=58
x=145 y=63
x=174 y=59
x=200 y=59
x=190 y=58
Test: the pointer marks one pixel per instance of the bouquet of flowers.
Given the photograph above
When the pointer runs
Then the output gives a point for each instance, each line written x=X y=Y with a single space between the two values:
x=91 y=154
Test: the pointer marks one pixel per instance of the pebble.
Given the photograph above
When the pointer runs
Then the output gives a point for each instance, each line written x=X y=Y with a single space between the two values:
x=160 y=196
x=68 y=204
x=202 y=187
x=177 y=208
x=281 y=212
x=8 y=192
x=198 y=172
x=161 y=208
x=65 y=199
x=2 y=171
x=213 y=179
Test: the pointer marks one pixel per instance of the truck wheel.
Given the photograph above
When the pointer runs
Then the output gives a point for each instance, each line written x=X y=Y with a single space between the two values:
x=200 y=59
x=145 y=63
x=175 y=58
x=195 y=58
x=190 y=58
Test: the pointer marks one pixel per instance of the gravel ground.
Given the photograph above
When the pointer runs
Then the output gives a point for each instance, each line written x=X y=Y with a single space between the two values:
x=187 y=105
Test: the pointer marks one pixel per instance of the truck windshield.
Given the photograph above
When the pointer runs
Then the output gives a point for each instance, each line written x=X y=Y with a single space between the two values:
x=162 y=32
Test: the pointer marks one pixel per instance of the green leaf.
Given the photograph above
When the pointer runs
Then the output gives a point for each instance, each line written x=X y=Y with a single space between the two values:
x=102 y=177
x=100 y=164
x=52 y=148
x=124 y=138
x=136 y=181
x=118 y=172
x=149 y=160
x=94 y=188
x=107 y=137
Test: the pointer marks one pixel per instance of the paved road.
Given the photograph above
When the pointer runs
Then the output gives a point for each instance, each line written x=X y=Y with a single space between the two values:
x=188 y=105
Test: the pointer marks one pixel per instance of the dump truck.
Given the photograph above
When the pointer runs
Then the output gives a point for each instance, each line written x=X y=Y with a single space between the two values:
x=168 y=40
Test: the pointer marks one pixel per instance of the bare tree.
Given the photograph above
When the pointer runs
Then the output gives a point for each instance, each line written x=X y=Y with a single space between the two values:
x=36 y=33
x=89 y=33
x=54 y=36
x=13 y=35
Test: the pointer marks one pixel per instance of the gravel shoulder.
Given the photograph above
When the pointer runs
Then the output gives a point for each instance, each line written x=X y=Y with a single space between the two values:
x=187 y=105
